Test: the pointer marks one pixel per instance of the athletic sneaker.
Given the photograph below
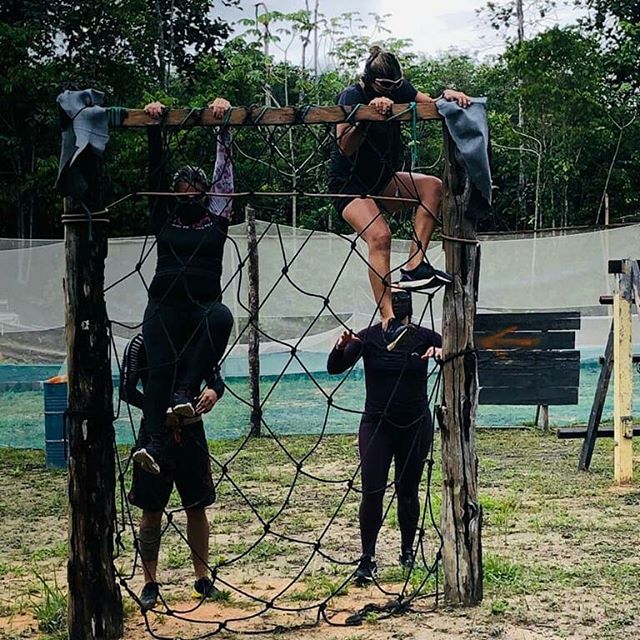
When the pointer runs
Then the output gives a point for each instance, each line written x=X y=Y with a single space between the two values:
x=203 y=588
x=407 y=558
x=146 y=459
x=183 y=404
x=395 y=333
x=424 y=276
x=149 y=596
x=366 y=572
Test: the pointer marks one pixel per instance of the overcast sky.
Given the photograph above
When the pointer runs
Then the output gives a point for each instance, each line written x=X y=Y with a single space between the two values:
x=433 y=25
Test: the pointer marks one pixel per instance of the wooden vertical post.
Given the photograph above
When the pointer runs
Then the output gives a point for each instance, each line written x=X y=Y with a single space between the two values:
x=622 y=375
x=254 y=322
x=545 y=417
x=598 y=405
x=95 y=606
x=461 y=519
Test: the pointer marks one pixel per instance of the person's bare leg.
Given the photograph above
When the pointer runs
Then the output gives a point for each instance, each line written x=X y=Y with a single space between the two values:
x=198 y=537
x=365 y=218
x=426 y=189
x=149 y=542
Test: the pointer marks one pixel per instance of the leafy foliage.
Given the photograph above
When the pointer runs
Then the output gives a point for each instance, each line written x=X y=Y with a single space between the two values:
x=576 y=89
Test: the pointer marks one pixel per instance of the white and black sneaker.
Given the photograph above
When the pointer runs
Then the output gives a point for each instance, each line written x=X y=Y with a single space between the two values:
x=424 y=276
x=146 y=459
x=367 y=571
x=183 y=404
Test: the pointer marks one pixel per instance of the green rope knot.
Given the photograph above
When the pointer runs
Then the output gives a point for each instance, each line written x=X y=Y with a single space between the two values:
x=227 y=117
x=116 y=116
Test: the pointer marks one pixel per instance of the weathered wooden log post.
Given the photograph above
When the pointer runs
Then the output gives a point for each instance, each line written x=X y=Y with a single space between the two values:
x=94 y=602
x=253 y=350
x=461 y=519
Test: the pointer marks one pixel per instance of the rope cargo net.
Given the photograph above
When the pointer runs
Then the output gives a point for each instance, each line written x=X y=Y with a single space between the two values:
x=302 y=523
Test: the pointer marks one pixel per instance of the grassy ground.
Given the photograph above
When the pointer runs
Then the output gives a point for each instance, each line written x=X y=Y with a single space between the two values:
x=560 y=547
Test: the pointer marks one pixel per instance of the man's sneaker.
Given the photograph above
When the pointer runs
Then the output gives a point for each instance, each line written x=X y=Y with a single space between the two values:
x=203 y=588
x=366 y=572
x=145 y=458
x=183 y=404
x=395 y=332
x=407 y=558
x=424 y=276
x=149 y=596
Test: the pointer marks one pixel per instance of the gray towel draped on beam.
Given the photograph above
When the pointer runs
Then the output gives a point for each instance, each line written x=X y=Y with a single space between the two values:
x=85 y=127
x=470 y=131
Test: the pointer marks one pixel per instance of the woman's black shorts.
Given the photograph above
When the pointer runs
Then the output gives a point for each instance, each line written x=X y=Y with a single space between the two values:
x=188 y=466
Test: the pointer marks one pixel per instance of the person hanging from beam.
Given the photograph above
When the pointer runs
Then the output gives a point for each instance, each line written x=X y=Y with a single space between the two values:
x=187 y=466
x=186 y=326
x=365 y=161
x=396 y=425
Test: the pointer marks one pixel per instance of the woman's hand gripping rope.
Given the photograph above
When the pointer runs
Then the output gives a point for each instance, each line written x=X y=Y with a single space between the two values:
x=432 y=352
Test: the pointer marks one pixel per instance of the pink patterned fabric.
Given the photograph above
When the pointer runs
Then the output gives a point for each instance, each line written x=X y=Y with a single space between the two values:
x=221 y=183
x=222 y=180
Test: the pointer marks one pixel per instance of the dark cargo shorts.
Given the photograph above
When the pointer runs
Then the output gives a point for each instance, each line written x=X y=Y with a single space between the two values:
x=188 y=467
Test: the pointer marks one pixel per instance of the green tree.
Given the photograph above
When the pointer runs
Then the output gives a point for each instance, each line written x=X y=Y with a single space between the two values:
x=617 y=23
x=128 y=49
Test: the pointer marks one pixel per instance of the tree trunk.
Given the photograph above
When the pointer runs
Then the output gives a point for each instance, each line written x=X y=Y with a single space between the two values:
x=95 y=606
x=162 y=51
x=461 y=519
x=522 y=182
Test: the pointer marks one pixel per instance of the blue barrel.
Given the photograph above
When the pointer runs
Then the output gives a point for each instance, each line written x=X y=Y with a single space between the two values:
x=55 y=405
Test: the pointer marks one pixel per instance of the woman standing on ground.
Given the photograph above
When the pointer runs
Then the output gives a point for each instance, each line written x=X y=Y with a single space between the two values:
x=396 y=425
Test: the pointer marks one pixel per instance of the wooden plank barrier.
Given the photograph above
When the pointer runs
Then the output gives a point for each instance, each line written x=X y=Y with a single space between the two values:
x=528 y=358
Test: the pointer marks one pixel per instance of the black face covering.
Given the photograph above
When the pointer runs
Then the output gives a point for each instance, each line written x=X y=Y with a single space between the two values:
x=190 y=210
x=401 y=303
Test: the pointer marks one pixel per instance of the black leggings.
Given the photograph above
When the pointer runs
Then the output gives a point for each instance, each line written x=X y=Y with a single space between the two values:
x=184 y=343
x=409 y=447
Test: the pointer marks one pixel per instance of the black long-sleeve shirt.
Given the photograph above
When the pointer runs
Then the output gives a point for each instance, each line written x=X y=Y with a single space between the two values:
x=135 y=369
x=395 y=381
x=190 y=232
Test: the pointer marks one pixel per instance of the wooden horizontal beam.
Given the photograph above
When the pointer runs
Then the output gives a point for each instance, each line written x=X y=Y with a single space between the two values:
x=615 y=266
x=511 y=396
x=538 y=321
x=523 y=368
x=563 y=376
x=571 y=433
x=523 y=360
x=609 y=300
x=250 y=116
x=505 y=339
x=635 y=359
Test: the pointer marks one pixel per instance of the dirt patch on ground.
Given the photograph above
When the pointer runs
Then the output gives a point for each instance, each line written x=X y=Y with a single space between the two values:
x=560 y=550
